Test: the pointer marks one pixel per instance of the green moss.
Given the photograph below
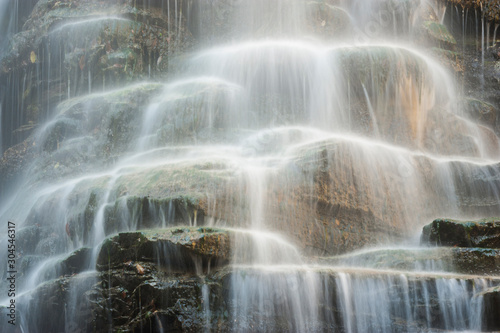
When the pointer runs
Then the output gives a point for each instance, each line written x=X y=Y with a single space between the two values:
x=439 y=32
x=449 y=232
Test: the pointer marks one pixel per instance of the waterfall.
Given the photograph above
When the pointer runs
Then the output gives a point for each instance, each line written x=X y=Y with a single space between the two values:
x=241 y=166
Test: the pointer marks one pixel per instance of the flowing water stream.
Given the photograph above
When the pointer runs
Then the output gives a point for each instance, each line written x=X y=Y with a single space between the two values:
x=260 y=133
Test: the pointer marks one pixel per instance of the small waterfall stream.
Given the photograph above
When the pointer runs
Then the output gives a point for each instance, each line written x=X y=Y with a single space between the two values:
x=306 y=130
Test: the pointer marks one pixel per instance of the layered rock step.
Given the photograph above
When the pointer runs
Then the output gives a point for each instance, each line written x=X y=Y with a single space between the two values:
x=477 y=261
x=281 y=298
x=179 y=249
x=484 y=233
x=187 y=278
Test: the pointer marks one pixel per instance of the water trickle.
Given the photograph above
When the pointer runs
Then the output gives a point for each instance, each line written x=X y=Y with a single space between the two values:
x=494 y=41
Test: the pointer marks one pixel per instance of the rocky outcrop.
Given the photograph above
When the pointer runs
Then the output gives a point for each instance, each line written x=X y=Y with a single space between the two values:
x=78 y=261
x=444 y=232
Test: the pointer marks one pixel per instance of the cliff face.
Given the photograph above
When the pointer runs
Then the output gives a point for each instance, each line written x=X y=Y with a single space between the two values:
x=111 y=123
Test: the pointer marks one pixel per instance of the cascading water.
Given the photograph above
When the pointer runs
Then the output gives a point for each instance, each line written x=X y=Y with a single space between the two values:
x=311 y=132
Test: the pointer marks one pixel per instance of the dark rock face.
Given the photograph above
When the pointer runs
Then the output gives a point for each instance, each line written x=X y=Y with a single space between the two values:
x=477 y=261
x=474 y=58
x=63 y=305
x=137 y=289
x=491 y=299
x=483 y=233
x=175 y=248
x=149 y=281
x=76 y=262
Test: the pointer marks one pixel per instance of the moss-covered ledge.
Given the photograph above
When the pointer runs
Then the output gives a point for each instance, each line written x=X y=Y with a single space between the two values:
x=184 y=249
x=484 y=233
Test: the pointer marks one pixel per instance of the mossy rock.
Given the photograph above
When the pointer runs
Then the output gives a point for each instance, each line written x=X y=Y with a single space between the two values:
x=176 y=249
x=483 y=233
x=461 y=260
x=439 y=32
x=476 y=261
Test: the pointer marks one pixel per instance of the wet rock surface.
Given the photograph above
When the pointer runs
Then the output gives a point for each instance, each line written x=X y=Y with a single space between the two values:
x=491 y=299
x=446 y=259
x=178 y=247
x=14 y=161
x=444 y=232
x=184 y=278
x=149 y=295
x=93 y=45
x=78 y=261
x=475 y=251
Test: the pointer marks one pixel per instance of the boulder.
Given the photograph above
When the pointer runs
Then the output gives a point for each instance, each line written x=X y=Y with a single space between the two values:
x=483 y=233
